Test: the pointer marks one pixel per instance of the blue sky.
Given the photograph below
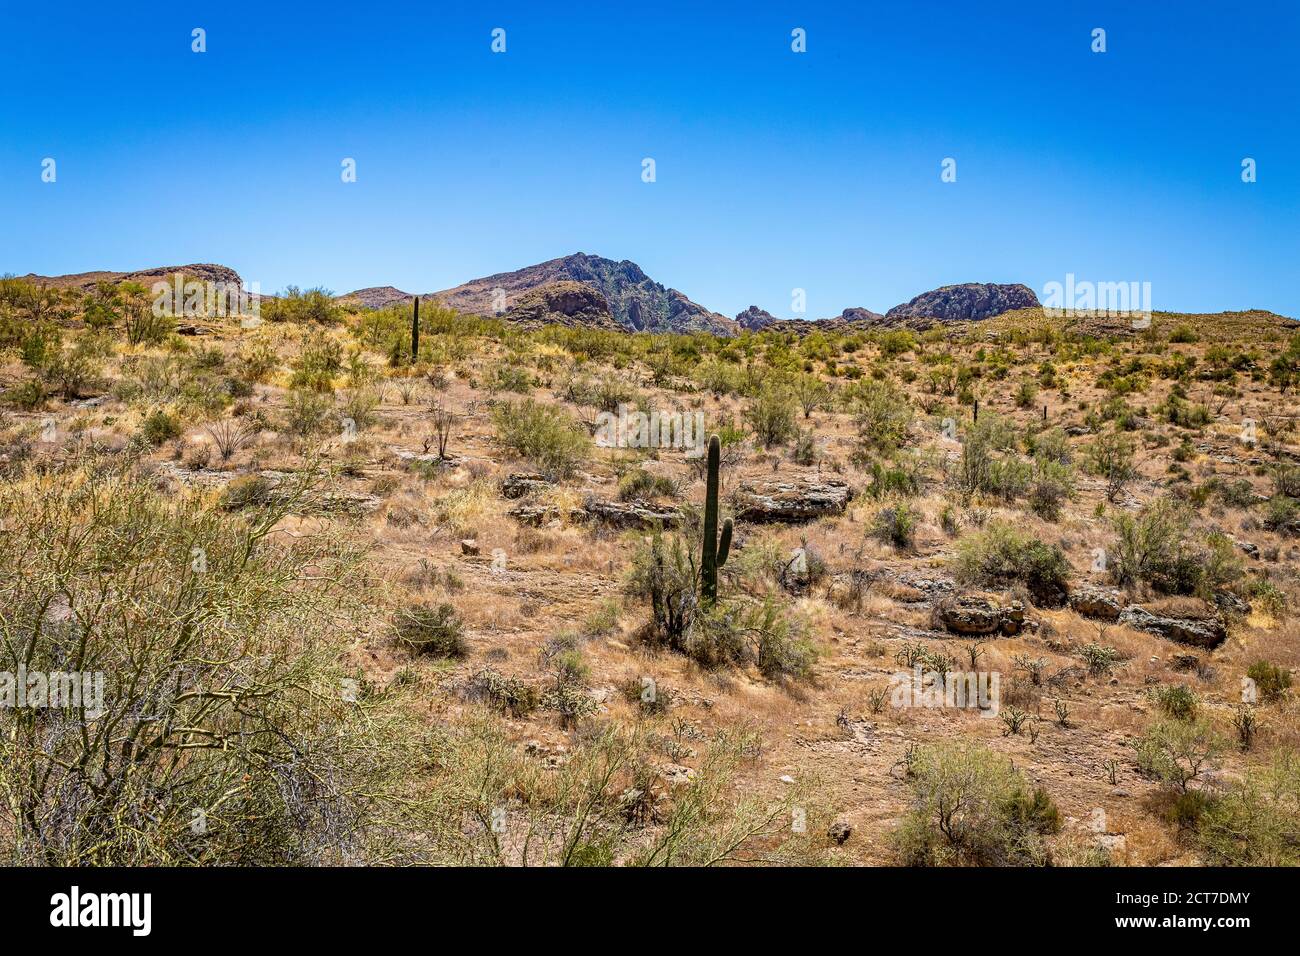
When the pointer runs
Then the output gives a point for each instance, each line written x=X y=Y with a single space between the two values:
x=775 y=170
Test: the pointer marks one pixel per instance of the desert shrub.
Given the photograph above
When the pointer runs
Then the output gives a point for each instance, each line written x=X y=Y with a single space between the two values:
x=307 y=413
x=320 y=360
x=1000 y=555
x=159 y=426
x=258 y=359
x=232 y=695
x=510 y=378
x=546 y=435
x=883 y=415
x=895 y=525
x=1257 y=821
x=28 y=395
x=805 y=447
x=971 y=807
x=1272 y=681
x=434 y=631
x=505 y=695
x=772 y=414
x=1052 y=486
x=358 y=406
x=664 y=572
x=1154 y=548
x=1100 y=659
x=640 y=483
x=296 y=305
x=902 y=477
x=1175 y=700
x=595 y=807
x=780 y=646
x=1111 y=457
x=1176 y=752
x=230 y=435
x=1282 y=514
x=247 y=491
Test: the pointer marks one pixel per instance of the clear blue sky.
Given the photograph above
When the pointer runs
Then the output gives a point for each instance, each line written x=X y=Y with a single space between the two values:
x=775 y=170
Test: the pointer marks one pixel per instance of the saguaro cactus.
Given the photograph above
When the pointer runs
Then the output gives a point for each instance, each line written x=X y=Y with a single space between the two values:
x=715 y=551
x=415 y=332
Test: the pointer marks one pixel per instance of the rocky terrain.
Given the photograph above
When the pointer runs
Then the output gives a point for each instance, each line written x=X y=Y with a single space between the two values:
x=636 y=301
x=971 y=301
x=503 y=561
x=566 y=303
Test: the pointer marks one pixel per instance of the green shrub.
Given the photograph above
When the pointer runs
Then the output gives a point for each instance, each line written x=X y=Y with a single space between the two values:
x=1257 y=822
x=883 y=415
x=772 y=415
x=245 y=492
x=1271 y=680
x=640 y=483
x=307 y=413
x=1099 y=658
x=1175 y=700
x=506 y=695
x=1000 y=555
x=159 y=426
x=434 y=631
x=546 y=435
x=971 y=807
x=895 y=525
x=1177 y=752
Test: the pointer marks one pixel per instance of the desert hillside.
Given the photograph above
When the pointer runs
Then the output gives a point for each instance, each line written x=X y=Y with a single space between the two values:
x=356 y=604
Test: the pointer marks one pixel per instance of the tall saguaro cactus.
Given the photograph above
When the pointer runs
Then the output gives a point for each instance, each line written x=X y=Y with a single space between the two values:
x=715 y=551
x=415 y=332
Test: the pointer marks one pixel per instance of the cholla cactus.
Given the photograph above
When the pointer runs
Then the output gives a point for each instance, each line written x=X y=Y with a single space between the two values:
x=714 y=554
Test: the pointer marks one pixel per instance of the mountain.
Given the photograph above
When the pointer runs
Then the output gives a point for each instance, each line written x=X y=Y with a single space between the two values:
x=755 y=319
x=971 y=301
x=563 y=303
x=635 y=300
x=200 y=271
x=375 y=297
x=860 y=316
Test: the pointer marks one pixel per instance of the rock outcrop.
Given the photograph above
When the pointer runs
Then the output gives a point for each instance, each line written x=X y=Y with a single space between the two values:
x=518 y=485
x=755 y=319
x=792 y=501
x=376 y=297
x=977 y=614
x=971 y=301
x=195 y=271
x=566 y=303
x=1201 y=629
x=1099 y=603
x=636 y=301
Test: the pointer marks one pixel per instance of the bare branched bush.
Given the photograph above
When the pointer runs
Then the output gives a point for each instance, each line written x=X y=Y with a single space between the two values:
x=231 y=434
x=224 y=732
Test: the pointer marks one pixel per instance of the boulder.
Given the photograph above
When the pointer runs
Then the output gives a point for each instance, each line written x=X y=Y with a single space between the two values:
x=516 y=486
x=1208 y=631
x=1095 y=602
x=977 y=614
x=792 y=500
x=632 y=514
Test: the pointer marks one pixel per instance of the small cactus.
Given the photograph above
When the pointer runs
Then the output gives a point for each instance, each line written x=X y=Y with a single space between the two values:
x=715 y=551
x=415 y=332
